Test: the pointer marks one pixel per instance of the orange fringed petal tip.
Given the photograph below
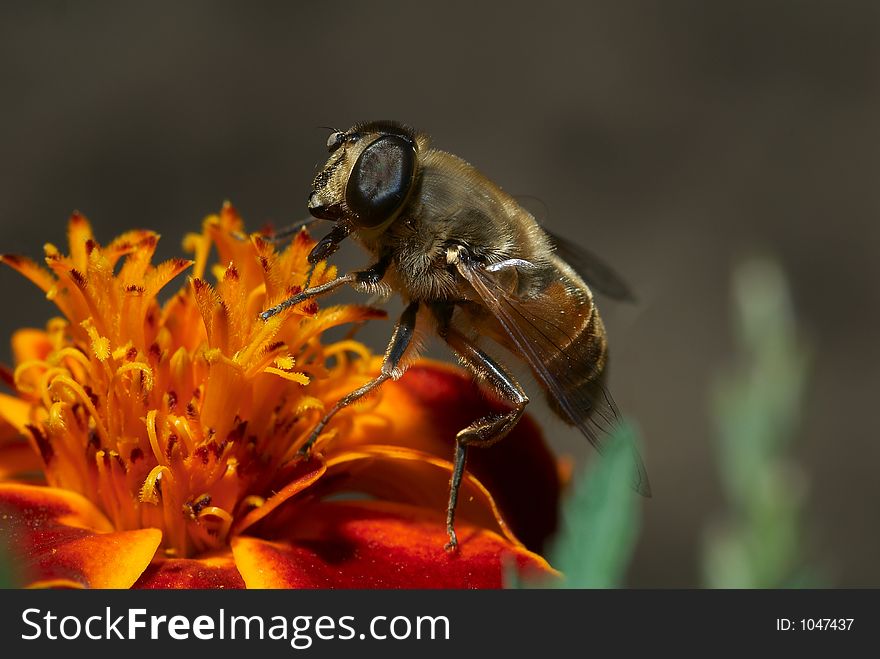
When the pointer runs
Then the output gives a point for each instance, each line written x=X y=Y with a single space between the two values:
x=165 y=436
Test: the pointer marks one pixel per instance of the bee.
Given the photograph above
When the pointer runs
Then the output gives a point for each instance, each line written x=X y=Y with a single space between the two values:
x=466 y=255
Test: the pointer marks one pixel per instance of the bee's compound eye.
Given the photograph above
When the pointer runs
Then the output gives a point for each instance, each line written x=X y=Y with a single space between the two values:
x=380 y=180
x=335 y=140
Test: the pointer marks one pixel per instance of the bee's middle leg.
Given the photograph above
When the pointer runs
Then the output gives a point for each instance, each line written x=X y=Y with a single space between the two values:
x=400 y=341
x=486 y=430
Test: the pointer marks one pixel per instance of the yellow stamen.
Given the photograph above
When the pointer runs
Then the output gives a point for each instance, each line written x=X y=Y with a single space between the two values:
x=144 y=370
x=154 y=438
x=182 y=427
x=71 y=353
x=284 y=363
x=86 y=401
x=100 y=344
x=149 y=491
x=309 y=403
x=265 y=334
x=300 y=378
x=21 y=369
x=252 y=501
x=224 y=517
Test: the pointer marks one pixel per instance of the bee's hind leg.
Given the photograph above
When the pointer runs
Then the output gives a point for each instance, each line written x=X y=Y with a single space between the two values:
x=486 y=430
x=400 y=341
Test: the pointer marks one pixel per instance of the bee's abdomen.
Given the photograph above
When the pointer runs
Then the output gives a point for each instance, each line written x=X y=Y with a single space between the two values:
x=578 y=367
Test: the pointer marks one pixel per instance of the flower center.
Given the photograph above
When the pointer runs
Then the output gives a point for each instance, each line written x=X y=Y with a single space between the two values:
x=179 y=416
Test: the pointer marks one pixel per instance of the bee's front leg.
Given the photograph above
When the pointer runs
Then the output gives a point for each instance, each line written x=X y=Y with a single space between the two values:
x=306 y=294
x=486 y=430
x=391 y=369
x=362 y=279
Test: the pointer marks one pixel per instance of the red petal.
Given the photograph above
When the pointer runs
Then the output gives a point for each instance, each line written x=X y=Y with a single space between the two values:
x=379 y=545
x=214 y=572
x=398 y=474
x=59 y=538
x=17 y=457
x=430 y=404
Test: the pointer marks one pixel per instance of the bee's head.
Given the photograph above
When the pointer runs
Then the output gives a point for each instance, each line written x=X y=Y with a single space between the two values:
x=369 y=176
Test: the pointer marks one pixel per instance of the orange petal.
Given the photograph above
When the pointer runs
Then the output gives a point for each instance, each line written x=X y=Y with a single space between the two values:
x=294 y=478
x=379 y=545
x=214 y=572
x=60 y=537
x=30 y=344
x=15 y=412
x=127 y=243
x=79 y=232
x=427 y=407
x=39 y=276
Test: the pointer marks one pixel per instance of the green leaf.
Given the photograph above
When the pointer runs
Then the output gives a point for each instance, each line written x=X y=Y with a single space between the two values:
x=600 y=519
x=6 y=570
x=757 y=407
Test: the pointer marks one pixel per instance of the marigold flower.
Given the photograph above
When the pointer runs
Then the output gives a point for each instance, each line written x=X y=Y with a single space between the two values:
x=155 y=445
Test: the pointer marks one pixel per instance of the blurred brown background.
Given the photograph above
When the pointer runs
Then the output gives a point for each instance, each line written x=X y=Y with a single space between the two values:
x=673 y=138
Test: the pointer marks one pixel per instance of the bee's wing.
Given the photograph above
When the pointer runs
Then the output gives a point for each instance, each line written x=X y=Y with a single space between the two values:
x=530 y=326
x=598 y=274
